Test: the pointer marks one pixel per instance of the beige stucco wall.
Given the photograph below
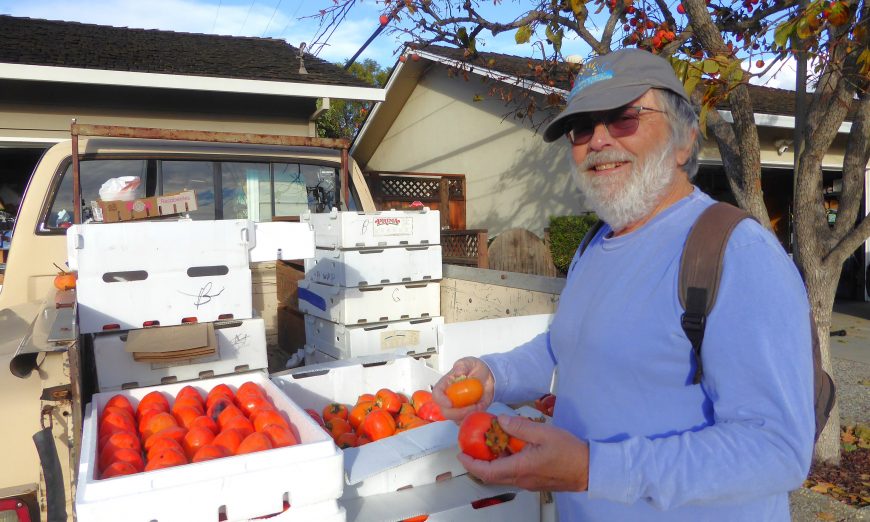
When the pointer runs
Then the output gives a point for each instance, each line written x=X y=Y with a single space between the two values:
x=514 y=179
x=33 y=121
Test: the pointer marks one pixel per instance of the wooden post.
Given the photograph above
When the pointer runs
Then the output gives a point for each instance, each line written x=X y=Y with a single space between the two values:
x=444 y=198
x=482 y=249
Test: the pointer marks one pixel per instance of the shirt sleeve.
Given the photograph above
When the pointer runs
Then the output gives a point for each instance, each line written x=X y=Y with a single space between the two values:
x=524 y=373
x=758 y=375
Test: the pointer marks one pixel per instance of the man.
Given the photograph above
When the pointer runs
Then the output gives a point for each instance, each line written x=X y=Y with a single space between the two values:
x=633 y=439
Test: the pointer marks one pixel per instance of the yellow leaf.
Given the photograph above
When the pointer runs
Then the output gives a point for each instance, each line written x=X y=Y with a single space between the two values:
x=523 y=35
x=822 y=487
x=577 y=6
x=702 y=119
x=710 y=66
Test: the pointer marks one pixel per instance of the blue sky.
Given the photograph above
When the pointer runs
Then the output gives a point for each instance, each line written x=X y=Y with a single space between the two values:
x=285 y=19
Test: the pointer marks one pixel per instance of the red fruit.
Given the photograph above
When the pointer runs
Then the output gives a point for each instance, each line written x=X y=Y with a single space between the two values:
x=430 y=411
x=155 y=423
x=419 y=398
x=229 y=440
x=161 y=444
x=210 y=452
x=378 y=424
x=240 y=424
x=681 y=9
x=195 y=439
x=280 y=436
x=122 y=439
x=253 y=443
x=154 y=400
x=249 y=389
x=120 y=401
x=338 y=426
x=481 y=436
x=218 y=405
x=230 y=412
x=403 y=59
x=130 y=456
x=316 y=416
x=116 y=469
x=384 y=19
x=464 y=391
x=166 y=459
x=189 y=392
x=188 y=402
x=334 y=409
x=204 y=421
x=176 y=433
x=388 y=400
x=759 y=64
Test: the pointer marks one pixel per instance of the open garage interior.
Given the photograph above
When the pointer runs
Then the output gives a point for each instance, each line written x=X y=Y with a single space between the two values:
x=16 y=166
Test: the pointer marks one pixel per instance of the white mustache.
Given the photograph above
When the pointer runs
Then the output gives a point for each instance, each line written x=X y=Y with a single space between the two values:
x=605 y=156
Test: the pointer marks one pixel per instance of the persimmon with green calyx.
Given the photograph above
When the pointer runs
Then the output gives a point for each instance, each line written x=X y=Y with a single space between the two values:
x=464 y=391
x=482 y=437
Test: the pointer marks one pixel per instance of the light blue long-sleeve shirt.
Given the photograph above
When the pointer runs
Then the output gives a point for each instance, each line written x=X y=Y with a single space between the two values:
x=661 y=448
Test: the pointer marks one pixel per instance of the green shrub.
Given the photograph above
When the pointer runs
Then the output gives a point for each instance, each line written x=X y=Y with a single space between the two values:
x=566 y=232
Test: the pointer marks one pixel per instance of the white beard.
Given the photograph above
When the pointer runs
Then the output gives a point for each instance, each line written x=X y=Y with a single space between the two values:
x=625 y=198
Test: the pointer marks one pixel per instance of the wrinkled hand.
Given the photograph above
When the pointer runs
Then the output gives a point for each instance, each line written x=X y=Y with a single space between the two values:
x=465 y=367
x=552 y=460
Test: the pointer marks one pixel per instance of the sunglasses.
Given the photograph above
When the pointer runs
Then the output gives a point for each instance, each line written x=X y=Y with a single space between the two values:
x=619 y=123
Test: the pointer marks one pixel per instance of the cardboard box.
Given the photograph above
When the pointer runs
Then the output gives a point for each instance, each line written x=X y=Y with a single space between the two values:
x=370 y=304
x=374 y=266
x=288 y=274
x=375 y=229
x=412 y=458
x=291 y=329
x=144 y=208
x=456 y=499
x=410 y=337
x=241 y=347
x=241 y=486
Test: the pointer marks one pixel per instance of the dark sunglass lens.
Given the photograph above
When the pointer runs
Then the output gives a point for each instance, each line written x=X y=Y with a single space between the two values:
x=623 y=125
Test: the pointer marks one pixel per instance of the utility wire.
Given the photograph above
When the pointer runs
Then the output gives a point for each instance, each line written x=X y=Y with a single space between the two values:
x=247 y=15
x=271 y=18
x=213 y=25
x=290 y=20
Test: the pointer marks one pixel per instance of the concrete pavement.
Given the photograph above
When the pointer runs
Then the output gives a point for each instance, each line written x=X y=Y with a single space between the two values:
x=854 y=318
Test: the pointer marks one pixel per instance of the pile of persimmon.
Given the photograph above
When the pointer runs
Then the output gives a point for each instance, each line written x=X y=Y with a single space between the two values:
x=157 y=433
x=377 y=416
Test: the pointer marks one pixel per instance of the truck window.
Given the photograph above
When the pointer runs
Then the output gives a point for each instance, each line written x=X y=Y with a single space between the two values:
x=224 y=189
x=93 y=174
x=194 y=175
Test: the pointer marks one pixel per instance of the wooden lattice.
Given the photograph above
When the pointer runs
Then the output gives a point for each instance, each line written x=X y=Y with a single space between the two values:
x=464 y=247
x=416 y=188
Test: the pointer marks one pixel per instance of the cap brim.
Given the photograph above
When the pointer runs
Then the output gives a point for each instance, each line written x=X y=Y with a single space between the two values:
x=592 y=99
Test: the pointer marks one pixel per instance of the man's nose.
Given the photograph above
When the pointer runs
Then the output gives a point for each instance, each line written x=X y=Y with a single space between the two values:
x=601 y=137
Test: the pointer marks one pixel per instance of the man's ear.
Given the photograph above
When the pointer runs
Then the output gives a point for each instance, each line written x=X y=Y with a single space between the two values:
x=685 y=152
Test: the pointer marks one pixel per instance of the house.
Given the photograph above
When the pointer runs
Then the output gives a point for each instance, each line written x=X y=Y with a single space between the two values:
x=54 y=71
x=445 y=115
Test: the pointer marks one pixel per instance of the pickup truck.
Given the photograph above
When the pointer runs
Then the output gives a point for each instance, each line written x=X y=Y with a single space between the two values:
x=43 y=382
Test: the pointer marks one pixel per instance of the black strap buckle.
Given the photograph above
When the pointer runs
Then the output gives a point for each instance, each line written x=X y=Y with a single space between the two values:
x=692 y=321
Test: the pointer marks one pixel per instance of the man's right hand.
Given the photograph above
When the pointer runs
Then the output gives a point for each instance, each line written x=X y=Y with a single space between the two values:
x=465 y=367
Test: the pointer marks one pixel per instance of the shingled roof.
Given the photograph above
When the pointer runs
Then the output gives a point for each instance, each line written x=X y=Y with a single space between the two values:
x=765 y=100
x=71 y=44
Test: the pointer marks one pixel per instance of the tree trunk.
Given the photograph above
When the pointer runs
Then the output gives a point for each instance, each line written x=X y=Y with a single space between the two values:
x=821 y=287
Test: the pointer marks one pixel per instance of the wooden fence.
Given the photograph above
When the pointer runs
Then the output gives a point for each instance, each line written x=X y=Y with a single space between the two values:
x=444 y=192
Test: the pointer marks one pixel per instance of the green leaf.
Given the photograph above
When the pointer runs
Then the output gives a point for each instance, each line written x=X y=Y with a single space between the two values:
x=462 y=35
x=733 y=72
x=578 y=6
x=702 y=119
x=710 y=66
x=849 y=447
x=693 y=77
x=783 y=32
x=523 y=35
x=555 y=37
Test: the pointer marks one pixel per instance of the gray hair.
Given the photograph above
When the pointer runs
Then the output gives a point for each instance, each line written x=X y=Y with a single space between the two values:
x=683 y=121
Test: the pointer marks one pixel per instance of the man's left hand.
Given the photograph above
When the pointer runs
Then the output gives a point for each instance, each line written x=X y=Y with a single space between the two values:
x=552 y=459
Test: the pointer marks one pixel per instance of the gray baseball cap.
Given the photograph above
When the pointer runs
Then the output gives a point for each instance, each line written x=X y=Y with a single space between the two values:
x=611 y=81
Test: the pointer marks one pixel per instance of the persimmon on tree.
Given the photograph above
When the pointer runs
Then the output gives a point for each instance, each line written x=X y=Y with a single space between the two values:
x=712 y=44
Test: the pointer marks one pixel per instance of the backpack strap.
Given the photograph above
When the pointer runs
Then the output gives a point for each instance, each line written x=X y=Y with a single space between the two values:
x=701 y=270
x=585 y=241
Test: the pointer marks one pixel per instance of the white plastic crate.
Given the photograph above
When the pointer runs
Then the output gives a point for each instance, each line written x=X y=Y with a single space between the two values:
x=315 y=356
x=412 y=458
x=410 y=337
x=456 y=499
x=476 y=338
x=329 y=511
x=374 y=266
x=241 y=347
x=241 y=486
x=371 y=304
x=375 y=229
x=130 y=274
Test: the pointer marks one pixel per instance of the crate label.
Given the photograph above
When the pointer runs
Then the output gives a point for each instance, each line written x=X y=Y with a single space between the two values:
x=392 y=226
x=399 y=339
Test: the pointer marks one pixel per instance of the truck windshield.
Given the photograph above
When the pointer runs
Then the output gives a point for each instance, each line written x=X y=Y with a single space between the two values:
x=224 y=189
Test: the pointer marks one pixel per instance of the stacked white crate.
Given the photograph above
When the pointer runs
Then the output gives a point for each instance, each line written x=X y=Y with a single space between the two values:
x=165 y=273
x=373 y=285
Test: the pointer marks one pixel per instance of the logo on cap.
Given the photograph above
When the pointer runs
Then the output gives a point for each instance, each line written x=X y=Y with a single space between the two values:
x=591 y=74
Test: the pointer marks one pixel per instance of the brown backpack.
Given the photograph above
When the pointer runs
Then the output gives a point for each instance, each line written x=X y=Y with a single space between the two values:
x=700 y=272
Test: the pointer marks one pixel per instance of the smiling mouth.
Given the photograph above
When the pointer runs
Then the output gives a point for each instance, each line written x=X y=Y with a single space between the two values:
x=606 y=166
